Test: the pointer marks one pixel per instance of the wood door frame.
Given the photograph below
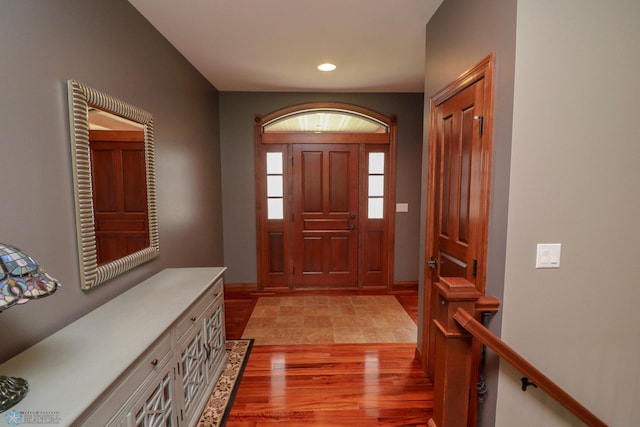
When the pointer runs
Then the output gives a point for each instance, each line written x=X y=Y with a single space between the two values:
x=282 y=142
x=483 y=70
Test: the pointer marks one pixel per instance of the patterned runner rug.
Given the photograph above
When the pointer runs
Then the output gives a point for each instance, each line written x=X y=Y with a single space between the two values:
x=217 y=409
x=309 y=319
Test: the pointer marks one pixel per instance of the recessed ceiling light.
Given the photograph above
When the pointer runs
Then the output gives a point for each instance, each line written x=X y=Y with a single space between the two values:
x=326 y=67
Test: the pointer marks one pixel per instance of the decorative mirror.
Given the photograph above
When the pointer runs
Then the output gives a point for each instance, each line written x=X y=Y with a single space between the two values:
x=114 y=184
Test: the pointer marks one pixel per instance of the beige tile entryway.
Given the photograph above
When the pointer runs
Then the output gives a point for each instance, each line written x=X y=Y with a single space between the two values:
x=330 y=320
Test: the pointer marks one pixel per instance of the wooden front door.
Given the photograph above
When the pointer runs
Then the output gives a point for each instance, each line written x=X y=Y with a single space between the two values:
x=458 y=198
x=325 y=215
x=325 y=193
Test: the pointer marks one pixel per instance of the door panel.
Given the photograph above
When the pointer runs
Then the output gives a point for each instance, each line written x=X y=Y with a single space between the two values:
x=457 y=166
x=311 y=163
x=451 y=266
x=325 y=204
x=339 y=170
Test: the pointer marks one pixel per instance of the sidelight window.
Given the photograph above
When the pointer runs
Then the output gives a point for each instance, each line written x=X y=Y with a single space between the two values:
x=275 y=186
x=376 y=186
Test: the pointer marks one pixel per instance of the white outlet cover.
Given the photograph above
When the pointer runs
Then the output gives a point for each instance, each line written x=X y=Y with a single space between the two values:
x=548 y=255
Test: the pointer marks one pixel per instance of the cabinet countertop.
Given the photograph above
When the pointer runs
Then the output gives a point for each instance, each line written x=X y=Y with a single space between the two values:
x=73 y=367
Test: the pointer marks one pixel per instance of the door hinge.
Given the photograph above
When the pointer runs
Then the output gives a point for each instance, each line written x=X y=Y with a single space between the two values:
x=480 y=124
x=475 y=267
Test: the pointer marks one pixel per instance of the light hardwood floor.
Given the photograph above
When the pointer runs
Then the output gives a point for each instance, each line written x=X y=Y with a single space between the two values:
x=328 y=385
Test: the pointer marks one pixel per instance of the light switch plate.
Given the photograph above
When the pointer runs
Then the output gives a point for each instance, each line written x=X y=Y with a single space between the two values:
x=548 y=255
x=402 y=207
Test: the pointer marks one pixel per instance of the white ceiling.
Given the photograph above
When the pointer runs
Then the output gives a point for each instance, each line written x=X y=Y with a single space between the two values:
x=275 y=45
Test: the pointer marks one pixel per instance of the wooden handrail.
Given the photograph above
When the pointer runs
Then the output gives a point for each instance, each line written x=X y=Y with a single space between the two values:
x=484 y=335
x=486 y=304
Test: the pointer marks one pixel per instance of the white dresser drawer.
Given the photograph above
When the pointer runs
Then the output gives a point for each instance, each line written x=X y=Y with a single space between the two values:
x=146 y=366
x=154 y=404
x=190 y=318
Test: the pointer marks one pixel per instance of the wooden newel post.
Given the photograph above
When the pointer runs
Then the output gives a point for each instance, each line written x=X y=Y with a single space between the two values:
x=453 y=352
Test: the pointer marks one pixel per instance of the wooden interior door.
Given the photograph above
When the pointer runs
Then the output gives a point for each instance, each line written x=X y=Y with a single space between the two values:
x=325 y=215
x=457 y=177
x=458 y=198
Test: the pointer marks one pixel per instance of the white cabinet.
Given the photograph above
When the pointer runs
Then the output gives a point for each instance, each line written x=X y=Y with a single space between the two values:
x=138 y=392
x=201 y=355
x=154 y=405
x=149 y=357
x=176 y=390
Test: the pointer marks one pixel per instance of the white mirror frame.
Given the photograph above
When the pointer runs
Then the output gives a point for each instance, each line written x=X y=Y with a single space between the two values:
x=80 y=97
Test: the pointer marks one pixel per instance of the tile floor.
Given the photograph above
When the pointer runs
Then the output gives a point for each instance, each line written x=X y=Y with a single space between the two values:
x=330 y=320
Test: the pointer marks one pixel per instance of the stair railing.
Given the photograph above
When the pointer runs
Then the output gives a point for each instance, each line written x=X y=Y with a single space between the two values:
x=456 y=327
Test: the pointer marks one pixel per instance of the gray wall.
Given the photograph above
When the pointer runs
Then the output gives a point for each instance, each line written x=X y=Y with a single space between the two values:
x=105 y=44
x=565 y=171
x=574 y=180
x=459 y=35
x=237 y=111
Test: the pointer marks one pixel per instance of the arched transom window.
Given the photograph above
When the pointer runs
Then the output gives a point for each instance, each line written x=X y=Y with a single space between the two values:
x=325 y=120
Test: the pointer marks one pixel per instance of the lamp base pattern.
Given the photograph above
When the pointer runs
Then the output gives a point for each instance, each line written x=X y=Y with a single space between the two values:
x=12 y=391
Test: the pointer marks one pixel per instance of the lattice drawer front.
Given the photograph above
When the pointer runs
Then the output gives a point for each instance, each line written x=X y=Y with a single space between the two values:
x=215 y=338
x=193 y=375
x=218 y=342
x=213 y=328
x=215 y=320
x=157 y=409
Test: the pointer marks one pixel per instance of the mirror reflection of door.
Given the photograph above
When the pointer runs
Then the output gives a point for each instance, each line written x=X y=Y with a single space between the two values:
x=325 y=195
x=118 y=178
